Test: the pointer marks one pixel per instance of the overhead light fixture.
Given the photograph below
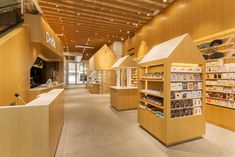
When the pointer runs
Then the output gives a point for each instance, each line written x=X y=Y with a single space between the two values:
x=111 y=20
x=139 y=12
x=155 y=12
x=148 y=14
x=128 y=32
x=78 y=24
x=84 y=46
x=78 y=14
x=96 y=33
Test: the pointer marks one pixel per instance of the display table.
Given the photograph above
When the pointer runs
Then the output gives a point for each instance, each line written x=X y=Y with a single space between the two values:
x=32 y=130
x=94 y=88
x=124 y=98
x=34 y=92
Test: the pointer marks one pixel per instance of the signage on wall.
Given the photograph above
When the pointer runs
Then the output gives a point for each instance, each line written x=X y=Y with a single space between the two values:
x=50 y=40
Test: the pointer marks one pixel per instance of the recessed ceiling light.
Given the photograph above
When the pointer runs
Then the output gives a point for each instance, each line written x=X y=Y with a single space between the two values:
x=128 y=32
x=120 y=30
x=139 y=13
x=77 y=31
x=56 y=5
x=78 y=24
x=127 y=23
x=109 y=41
x=148 y=14
x=107 y=35
x=111 y=20
x=164 y=1
x=78 y=14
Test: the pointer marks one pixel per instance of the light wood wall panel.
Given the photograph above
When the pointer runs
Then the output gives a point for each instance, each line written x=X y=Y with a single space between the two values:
x=14 y=66
x=199 y=18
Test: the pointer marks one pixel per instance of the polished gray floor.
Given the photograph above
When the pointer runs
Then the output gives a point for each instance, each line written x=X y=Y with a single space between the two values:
x=93 y=129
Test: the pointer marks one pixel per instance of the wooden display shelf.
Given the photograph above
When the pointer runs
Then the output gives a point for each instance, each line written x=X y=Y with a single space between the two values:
x=169 y=130
x=219 y=72
x=153 y=104
x=219 y=92
x=223 y=99
x=152 y=80
x=185 y=90
x=230 y=107
x=218 y=79
x=156 y=95
x=220 y=85
x=186 y=81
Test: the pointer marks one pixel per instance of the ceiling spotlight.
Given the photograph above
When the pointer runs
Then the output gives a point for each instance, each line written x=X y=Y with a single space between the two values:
x=127 y=23
x=139 y=13
x=164 y=1
x=109 y=41
x=78 y=24
x=120 y=30
x=76 y=31
x=107 y=35
x=111 y=20
x=57 y=6
x=96 y=33
x=128 y=32
x=78 y=14
x=148 y=14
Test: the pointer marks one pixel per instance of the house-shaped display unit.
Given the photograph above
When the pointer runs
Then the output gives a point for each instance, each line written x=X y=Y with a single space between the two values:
x=101 y=75
x=171 y=91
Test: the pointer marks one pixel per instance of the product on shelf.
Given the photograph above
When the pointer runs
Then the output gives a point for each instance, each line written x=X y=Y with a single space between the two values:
x=150 y=91
x=184 y=102
x=156 y=75
x=153 y=99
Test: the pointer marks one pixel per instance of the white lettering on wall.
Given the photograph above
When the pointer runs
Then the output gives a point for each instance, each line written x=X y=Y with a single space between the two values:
x=50 y=40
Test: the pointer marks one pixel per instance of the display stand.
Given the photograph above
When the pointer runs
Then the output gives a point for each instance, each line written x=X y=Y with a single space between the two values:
x=124 y=96
x=100 y=81
x=171 y=91
x=100 y=72
x=220 y=83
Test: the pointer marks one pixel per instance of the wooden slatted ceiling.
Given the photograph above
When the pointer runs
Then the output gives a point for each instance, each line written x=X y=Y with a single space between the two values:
x=98 y=22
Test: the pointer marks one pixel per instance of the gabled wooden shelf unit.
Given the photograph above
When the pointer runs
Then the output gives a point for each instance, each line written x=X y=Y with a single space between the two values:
x=179 y=62
x=124 y=96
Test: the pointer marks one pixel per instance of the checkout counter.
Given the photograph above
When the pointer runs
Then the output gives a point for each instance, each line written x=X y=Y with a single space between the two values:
x=33 y=129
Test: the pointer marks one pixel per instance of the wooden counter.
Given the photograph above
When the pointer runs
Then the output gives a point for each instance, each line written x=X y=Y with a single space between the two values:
x=124 y=98
x=221 y=116
x=32 y=130
x=34 y=92
x=94 y=88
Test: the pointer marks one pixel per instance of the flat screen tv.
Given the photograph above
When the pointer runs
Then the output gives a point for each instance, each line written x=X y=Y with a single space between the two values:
x=10 y=15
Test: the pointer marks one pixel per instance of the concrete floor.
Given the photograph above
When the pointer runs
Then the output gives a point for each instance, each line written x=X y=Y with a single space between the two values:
x=93 y=129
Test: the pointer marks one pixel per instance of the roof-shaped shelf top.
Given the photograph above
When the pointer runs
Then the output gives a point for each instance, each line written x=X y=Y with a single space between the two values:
x=103 y=59
x=125 y=61
x=180 y=49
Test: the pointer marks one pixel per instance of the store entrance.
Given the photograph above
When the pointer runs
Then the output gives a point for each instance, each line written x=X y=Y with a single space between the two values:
x=76 y=73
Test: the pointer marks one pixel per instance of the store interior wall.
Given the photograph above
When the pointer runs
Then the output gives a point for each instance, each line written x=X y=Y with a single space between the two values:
x=15 y=61
x=199 y=18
